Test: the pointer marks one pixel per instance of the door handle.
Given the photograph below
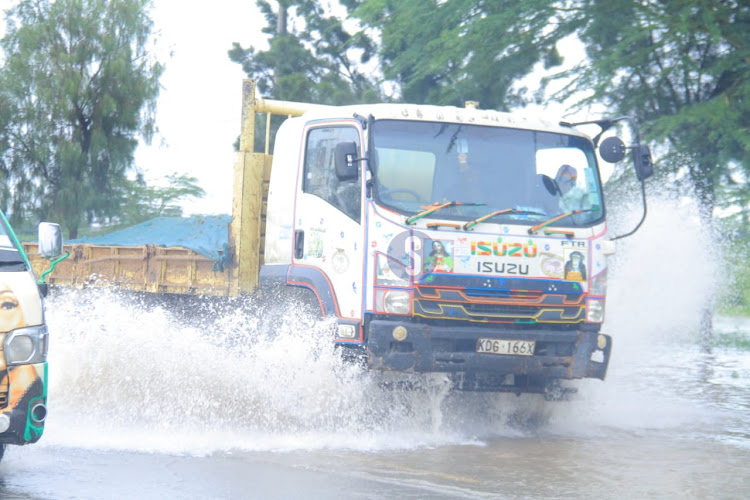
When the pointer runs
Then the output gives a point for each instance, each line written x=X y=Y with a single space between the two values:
x=299 y=244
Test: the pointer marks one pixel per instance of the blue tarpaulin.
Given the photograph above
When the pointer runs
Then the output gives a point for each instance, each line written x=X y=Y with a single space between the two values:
x=205 y=235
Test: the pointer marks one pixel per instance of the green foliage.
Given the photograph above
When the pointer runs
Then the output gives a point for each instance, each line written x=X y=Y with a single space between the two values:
x=682 y=67
x=77 y=90
x=449 y=52
x=317 y=60
x=143 y=202
x=734 y=294
x=736 y=340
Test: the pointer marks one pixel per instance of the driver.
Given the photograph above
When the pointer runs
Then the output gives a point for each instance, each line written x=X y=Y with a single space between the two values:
x=572 y=196
x=466 y=184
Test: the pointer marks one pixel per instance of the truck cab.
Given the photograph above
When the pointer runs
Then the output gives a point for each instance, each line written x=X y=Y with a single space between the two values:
x=455 y=240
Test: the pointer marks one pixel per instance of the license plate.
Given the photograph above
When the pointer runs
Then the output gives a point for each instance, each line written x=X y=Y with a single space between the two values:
x=501 y=346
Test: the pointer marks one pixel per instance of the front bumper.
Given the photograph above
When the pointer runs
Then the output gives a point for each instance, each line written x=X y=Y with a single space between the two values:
x=558 y=354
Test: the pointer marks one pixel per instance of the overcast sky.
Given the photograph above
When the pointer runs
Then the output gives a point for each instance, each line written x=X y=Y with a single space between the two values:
x=199 y=106
x=200 y=103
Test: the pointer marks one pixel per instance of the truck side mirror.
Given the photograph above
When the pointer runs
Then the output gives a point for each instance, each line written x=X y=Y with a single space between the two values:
x=345 y=158
x=50 y=240
x=644 y=167
x=612 y=149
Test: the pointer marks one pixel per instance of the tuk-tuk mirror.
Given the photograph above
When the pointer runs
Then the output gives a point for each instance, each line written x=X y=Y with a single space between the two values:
x=50 y=240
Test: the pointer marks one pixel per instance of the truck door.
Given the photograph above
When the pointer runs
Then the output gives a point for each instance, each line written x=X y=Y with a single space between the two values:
x=329 y=238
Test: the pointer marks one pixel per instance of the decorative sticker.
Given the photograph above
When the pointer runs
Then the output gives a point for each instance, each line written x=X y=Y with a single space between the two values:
x=552 y=265
x=340 y=261
x=575 y=265
x=440 y=258
x=19 y=298
x=463 y=246
x=385 y=274
x=315 y=249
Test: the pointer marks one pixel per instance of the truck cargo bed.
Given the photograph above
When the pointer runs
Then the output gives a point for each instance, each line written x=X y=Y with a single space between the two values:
x=164 y=265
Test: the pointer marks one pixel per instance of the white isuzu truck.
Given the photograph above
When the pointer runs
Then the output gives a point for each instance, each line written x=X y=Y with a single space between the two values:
x=442 y=239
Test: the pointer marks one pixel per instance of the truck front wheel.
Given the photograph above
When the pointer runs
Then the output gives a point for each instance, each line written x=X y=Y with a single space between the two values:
x=554 y=391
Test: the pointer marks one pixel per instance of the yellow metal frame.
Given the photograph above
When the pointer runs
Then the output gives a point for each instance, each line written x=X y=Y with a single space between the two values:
x=252 y=172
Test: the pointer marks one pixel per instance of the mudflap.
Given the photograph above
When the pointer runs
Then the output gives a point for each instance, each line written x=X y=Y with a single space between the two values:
x=598 y=360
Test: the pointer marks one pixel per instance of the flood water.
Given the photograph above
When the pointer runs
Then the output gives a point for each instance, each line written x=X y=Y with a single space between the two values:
x=228 y=404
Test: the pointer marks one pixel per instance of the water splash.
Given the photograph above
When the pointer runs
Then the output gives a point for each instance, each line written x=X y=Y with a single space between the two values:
x=135 y=372
x=660 y=280
x=126 y=373
x=663 y=275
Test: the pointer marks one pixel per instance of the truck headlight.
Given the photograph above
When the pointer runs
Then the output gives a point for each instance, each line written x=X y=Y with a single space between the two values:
x=26 y=345
x=347 y=331
x=392 y=301
x=397 y=302
x=595 y=311
x=599 y=284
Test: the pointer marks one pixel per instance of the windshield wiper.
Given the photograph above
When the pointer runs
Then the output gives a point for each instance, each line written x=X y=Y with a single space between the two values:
x=439 y=206
x=515 y=211
x=546 y=223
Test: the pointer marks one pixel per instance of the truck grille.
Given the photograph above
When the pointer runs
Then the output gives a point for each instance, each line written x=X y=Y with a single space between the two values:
x=500 y=300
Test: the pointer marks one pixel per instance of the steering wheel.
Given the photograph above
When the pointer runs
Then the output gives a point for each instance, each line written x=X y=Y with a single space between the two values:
x=551 y=185
x=410 y=192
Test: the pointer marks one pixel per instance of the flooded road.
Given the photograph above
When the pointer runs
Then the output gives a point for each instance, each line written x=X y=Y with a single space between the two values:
x=224 y=405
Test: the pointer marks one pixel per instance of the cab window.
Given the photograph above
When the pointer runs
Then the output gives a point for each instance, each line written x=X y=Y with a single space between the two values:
x=320 y=171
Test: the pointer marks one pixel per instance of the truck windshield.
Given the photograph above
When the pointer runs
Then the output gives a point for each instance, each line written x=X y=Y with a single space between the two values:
x=6 y=242
x=526 y=176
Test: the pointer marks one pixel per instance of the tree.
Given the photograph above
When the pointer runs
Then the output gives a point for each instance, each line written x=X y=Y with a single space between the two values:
x=311 y=58
x=682 y=67
x=448 y=52
x=77 y=90
x=143 y=202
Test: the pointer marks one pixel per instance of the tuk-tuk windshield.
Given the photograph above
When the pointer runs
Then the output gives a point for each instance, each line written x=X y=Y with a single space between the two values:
x=6 y=242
